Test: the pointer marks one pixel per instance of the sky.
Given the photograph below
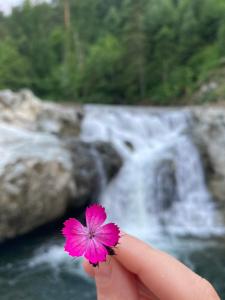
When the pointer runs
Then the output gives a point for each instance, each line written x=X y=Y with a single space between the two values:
x=6 y=5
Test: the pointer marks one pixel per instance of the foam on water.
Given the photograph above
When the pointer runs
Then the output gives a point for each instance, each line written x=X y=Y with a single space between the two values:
x=54 y=257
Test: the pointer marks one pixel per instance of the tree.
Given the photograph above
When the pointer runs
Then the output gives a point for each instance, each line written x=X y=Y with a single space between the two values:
x=101 y=78
x=129 y=51
x=134 y=43
x=14 y=69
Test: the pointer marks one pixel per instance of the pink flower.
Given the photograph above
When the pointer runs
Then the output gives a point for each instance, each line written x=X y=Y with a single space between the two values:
x=93 y=242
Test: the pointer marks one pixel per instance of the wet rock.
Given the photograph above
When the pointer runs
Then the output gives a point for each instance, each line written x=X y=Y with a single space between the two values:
x=208 y=131
x=165 y=187
x=94 y=164
x=111 y=160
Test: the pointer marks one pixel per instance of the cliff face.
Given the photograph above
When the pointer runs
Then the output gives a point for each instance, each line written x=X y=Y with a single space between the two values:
x=44 y=167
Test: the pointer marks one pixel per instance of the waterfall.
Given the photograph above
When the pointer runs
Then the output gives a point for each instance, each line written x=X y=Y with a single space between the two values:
x=161 y=188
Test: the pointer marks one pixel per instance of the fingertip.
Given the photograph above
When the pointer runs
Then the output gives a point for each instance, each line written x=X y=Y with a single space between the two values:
x=128 y=242
x=88 y=268
x=103 y=273
x=114 y=282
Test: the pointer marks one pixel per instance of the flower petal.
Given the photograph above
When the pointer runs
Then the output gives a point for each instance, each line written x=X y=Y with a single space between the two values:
x=73 y=227
x=76 y=245
x=95 y=216
x=95 y=252
x=108 y=235
x=76 y=237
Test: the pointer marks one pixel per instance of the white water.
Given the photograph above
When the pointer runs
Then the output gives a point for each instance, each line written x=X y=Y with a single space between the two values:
x=160 y=190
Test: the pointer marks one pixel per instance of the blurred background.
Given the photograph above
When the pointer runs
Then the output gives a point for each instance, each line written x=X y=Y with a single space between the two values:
x=115 y=101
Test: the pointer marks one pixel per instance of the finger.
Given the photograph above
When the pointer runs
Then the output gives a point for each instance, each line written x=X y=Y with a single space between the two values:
x=145 y=292
x=88 y=268
x=166 y=277
x=113 y=282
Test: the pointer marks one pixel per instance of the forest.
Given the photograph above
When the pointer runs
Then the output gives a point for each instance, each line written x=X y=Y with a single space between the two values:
x=152 y=52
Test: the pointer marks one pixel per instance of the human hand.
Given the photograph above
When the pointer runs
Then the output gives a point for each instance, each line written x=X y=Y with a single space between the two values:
x=139 y=272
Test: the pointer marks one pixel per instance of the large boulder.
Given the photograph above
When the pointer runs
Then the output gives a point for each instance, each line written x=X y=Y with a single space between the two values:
x=208 y=131
x=35 y=180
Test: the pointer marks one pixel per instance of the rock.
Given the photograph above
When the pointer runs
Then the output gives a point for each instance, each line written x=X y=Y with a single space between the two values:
x=35 y=180
x=94 y=164
x=129 y=145
x=110 y=158
x=42 y=176
x=20 y=109
x=25 y=110
x=165 y=186
x=60 y=120
x=208 y=131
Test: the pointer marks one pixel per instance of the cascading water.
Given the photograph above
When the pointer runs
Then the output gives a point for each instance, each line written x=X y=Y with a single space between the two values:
x=159 y=195
x=160 y=188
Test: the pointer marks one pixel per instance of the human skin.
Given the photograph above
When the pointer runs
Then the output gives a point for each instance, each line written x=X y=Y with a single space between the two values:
x=139 y=272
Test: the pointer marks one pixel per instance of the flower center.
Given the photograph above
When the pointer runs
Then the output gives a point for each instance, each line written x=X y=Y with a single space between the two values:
x=91 y=235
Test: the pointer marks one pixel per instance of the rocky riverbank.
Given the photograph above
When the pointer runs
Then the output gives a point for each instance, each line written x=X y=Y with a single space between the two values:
x=44 y=167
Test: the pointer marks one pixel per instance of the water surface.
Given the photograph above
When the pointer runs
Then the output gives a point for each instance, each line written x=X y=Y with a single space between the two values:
x=36 y=268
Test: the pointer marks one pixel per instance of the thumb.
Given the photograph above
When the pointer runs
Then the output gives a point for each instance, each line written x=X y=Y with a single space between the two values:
x=113 y=282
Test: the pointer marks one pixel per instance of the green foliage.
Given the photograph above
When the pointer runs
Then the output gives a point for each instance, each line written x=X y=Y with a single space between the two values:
x=205 y=60
x=102 y=73
x=221 y=39
x=14 y=68
x=112 y=51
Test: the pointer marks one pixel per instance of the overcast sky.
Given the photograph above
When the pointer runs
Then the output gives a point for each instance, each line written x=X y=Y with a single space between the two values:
x=6 y=5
